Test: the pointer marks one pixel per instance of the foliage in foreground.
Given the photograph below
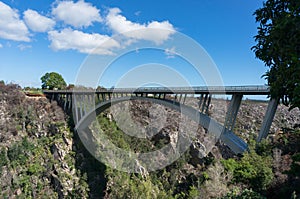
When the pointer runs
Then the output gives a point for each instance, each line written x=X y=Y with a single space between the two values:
x=278 y=47
x=252 y=169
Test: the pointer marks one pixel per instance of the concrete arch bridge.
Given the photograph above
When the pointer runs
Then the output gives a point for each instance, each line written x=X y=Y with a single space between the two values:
x=85 y=103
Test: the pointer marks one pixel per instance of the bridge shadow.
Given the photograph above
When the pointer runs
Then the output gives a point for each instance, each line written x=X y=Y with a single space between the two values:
x=89 y=167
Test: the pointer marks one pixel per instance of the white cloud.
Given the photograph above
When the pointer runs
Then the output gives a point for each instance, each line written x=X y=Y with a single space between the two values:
x=1 y=46
x=137 y=13
x=170 y=52
x=154 y=31
x=82 y=42
x=37 y=22
x=11 y=27
x=24 y=47
x=79 y=14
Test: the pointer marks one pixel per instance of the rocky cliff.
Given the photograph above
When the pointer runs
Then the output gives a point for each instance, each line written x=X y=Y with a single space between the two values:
x=37 y=158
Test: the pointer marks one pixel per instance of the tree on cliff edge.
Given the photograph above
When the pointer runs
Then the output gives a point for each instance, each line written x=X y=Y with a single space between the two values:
x=278 y=46
x=53 y=80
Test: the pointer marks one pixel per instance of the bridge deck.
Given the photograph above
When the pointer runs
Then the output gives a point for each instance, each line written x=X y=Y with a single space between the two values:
x=229 y=90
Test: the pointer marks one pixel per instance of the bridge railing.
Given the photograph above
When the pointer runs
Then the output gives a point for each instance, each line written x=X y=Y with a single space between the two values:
x=245 y=90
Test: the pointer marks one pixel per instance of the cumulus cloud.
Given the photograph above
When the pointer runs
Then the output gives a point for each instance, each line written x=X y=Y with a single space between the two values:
x=82 y=42
x=37 y=22
x=79 y=14
x=154 y=31
x=11 y=27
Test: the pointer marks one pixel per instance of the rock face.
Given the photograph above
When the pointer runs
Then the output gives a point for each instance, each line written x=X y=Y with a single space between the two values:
x=147 y=120
x=36 y=157
x=251 y=115
x=157 y=123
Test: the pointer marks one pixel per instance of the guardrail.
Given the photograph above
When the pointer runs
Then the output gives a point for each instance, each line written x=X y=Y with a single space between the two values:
x=245 y=90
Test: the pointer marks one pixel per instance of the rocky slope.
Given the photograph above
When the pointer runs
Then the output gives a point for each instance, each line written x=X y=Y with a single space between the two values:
x=41 y=157
x=145 y=119
x=199 y=172
x=36 y=149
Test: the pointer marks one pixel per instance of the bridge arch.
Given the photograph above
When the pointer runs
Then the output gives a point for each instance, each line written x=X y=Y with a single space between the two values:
x=211 y=125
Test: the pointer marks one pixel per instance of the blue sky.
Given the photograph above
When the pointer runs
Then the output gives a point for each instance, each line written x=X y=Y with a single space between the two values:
x=43 y=36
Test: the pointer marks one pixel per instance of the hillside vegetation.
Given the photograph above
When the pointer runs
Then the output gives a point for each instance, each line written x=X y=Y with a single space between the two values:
x=42 y=157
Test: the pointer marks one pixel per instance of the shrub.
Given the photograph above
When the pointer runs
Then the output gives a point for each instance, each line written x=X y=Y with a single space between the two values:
x=252 y=169
x=3 y=159
x=245 y=194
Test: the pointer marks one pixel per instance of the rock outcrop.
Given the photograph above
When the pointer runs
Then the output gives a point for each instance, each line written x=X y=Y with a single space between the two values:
x=36 y=149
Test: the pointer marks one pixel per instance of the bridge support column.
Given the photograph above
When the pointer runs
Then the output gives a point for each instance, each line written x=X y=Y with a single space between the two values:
x=180 y=96
x=81 y=106
x=184 y=98
x=233 y=111
x=52 y=97
x=76 y=107
x=65 y=101
x=203 y=103
x=70 y=102
x=61 y=99
x=269 y=116
x=84 y=105
x=200 y=101
x=207 y=105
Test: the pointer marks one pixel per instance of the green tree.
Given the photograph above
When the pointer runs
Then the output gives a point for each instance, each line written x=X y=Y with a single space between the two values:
x=278 y=46
x=252 y=169
x=53 y=80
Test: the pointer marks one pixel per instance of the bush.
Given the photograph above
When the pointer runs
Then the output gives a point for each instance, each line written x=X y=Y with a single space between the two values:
x=18 y=153
x=251 y=169
x=3 y=159
x=245 y=194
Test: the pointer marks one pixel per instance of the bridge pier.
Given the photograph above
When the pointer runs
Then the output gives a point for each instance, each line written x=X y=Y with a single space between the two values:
x=204 y=103
x=232 y=111
x=70 y=102
x=180 y=96
x=81 y=106
x=65 y=102
x=98 y=98
x=76 y=108
x=208 y=104
x=200 y=101
x=268 y=119
x=184 y=98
